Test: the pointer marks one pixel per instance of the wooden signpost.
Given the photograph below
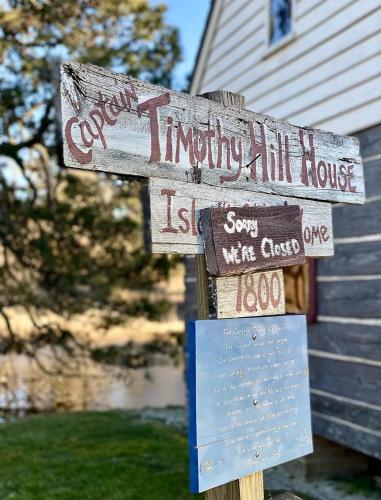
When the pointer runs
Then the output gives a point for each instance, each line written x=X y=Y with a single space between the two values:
x=241 y=240
x=115 y=123
x=249 y=402
x=210 y=152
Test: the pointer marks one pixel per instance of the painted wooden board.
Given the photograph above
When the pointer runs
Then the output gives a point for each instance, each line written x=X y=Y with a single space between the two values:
x=340 y=431
x=347 y=378
x=353 y=299
x=248 y=396
x=239 y=240
x=346 y=339
x=175 y=214
x=115 y=123
x=254 y=294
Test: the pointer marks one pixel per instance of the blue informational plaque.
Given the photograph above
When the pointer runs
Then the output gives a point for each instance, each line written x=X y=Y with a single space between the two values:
x=248 y=390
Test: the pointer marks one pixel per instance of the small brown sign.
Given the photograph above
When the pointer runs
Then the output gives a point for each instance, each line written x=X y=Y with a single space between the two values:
x=239 y=240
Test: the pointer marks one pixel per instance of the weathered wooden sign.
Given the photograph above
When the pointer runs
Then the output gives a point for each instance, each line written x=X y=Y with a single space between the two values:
x=115 y=123
x=248 y=396
x=255 y=294
x=175 y=214
x=239 y=240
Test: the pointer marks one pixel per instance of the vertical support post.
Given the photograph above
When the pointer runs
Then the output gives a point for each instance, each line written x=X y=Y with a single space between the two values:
x=248 y=487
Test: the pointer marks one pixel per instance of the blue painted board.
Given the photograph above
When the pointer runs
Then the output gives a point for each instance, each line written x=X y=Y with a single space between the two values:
x=248 y=391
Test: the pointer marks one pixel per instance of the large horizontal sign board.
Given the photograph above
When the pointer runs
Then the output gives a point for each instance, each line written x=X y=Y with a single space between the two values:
x=175 y=214
x=248 y=396
x=115 y=123
x=242 y=239
x=255 y=294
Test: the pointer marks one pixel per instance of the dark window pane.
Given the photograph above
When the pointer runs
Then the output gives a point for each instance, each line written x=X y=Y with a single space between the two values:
x=280 y=19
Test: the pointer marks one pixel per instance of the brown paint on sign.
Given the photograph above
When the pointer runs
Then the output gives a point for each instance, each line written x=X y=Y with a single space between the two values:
x=239 y=240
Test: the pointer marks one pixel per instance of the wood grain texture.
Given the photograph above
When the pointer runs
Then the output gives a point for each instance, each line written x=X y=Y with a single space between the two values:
x=118 y=124
x=256 y=294
x=341 y=431
x=348 y=340
x=359 y=259
x=358 y=299
x=355 y=412
x=239 y=240
x=251 y=487
x=357 y=221
x=372 y=174
x=348 y=379
x=175 y=213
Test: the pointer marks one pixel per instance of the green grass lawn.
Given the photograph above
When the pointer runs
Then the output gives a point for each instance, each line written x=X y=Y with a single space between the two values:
x=93 y=456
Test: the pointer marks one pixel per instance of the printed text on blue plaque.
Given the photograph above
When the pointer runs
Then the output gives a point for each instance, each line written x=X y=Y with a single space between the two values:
x=248 y=396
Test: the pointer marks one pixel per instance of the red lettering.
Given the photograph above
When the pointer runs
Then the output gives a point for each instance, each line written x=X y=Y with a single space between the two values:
x=187 y=142
x=152 y=105
x=275 y=278
x=94 y=114
x=310 y=155
x=199 y=150
x=332 y=175
x=324 y=233
x=237 y=156
x=208 y=135
x=101 y=103
x=182 y=213
x=81 y=156
x=322 y=178
x=194 y=222
x=168 y=193
x=264 y=303
x=352 y=189
x=222 y=139
x=342 y=186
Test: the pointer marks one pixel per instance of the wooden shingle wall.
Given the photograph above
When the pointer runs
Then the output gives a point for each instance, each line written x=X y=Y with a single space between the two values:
x=345 y=343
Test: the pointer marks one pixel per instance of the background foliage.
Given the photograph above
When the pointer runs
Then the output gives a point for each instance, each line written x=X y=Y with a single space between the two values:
x=70 y=241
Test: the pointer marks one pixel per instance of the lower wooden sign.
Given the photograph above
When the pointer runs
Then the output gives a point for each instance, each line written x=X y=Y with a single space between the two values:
x=248 y=392
x=175 y=214
x=255 y=294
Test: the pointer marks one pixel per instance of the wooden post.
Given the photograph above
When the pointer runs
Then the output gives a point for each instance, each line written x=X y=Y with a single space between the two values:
x=249 y=487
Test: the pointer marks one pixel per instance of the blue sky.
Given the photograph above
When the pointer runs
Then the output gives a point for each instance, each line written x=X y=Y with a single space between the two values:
x=189 y=16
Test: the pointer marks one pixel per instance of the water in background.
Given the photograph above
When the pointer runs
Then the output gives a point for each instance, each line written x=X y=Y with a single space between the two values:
x=25 y=388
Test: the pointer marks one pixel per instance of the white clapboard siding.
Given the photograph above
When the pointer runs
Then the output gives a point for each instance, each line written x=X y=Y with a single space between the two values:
x=241 y=28
x=358 y=118
x=331 y=107
x=241 y=45
x=323 y=52
x=304 y=7
x=228 y=16
x=335 y=52
x=247 y=46
x=322 y=23
x=339 y=70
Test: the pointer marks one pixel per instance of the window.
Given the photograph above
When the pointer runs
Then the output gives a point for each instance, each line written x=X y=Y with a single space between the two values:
x=280 y=22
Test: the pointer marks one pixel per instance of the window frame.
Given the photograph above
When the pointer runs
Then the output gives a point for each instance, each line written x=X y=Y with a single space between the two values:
x=271 y=48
